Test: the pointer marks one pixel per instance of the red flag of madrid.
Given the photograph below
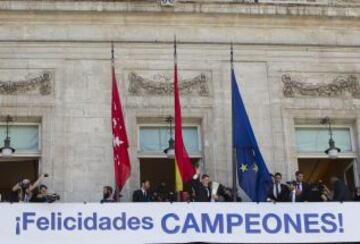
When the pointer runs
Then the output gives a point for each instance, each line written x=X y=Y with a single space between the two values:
x=120 y=141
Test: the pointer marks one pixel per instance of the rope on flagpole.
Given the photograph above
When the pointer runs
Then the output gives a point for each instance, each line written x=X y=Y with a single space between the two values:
x=175 y=54
x=234 y=167
x=117 y=190
x=232 y=56
x=112 y=54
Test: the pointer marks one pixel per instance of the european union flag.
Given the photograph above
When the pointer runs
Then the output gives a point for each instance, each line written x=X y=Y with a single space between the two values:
x=253 y=175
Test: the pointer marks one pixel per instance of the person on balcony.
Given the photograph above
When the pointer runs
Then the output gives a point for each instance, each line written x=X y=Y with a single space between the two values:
x=301 y=187
x=341 y=191
x=107 y=195
x=279 y=192
x=24 y=188
x=143 y=194
x=202 y=188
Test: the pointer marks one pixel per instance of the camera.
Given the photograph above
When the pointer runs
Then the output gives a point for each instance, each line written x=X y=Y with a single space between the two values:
x=24 y=183
x=52 y=198
x=293 y=182
x=24 y=186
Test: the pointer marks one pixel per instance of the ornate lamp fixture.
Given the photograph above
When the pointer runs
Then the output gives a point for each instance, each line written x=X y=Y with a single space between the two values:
x=332 y=151
x=7 y=150
x=170 y=150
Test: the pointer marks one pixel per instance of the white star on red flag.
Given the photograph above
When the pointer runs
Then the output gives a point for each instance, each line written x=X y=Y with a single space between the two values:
x=117 y=141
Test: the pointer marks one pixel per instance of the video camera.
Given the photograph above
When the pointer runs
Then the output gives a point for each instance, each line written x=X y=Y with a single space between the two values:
x=52 y=198
x=292 y=182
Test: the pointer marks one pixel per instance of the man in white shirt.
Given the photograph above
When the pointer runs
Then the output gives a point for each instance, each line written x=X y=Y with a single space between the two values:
x=278 y=192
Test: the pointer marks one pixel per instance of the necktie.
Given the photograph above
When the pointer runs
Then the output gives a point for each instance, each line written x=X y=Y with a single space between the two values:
x=145 y=196
x=277 y=190
x=300 y=186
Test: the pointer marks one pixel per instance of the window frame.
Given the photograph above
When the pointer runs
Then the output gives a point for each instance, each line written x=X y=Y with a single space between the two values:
x=26 y=154
x=351 y=154
x=161 y=154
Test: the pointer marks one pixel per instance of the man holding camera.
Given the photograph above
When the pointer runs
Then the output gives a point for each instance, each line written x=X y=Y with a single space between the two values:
x=44 y=196
x=24 y=188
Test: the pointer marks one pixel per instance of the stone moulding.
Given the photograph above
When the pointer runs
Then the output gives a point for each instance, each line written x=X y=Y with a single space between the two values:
x=41 y=82
x=341 y=85
x=140 y=86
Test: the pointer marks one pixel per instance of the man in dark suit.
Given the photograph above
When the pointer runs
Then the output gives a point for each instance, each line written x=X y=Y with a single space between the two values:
x=143 y=194
x=107 y=195
x=301 y=187
x=201 y=187
x=278 y=192
x=341 y=191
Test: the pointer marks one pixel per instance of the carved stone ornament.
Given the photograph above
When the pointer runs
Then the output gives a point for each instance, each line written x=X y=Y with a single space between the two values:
x=41 y=82
x=341 y=85
x=167 y=3
x=162 y=85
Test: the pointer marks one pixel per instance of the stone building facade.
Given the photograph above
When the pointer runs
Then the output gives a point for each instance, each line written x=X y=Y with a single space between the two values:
x=296 y=62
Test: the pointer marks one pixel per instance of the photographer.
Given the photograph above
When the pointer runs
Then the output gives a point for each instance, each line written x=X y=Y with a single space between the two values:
x=317 y=192
x=24 y=189
x=161 y=194
x=44 y=196
x=341 y=191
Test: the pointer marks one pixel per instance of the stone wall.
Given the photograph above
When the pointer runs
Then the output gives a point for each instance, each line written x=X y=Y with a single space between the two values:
x=271 y=43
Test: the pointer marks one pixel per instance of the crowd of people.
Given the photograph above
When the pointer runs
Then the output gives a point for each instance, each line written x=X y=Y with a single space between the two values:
x=26 y=191
x=300 y=191
x=202 y=189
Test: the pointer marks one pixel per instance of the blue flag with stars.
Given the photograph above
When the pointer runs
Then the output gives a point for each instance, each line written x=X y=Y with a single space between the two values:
x=253 y=175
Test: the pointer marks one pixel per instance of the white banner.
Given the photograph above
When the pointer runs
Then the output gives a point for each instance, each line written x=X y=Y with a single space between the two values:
x=69 y=223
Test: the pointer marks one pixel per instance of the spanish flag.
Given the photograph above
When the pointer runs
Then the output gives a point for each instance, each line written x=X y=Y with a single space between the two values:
x=184 y=170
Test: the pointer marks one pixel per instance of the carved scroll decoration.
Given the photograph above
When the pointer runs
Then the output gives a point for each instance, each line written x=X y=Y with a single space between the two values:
x=41 y=82
x=341 y=85
x=140 y=86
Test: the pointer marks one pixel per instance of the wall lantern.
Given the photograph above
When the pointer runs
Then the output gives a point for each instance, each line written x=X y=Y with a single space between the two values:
x=332 y=151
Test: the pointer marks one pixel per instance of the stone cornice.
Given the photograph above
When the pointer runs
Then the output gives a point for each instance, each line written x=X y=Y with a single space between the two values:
x=319 y=8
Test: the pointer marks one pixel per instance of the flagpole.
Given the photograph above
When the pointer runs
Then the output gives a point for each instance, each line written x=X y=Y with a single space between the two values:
x=117 y=190
x=112 y=54
x=234 y=168
x=175 y=54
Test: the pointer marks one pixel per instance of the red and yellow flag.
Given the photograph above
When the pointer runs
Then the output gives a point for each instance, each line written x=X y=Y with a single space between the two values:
x=184 y=170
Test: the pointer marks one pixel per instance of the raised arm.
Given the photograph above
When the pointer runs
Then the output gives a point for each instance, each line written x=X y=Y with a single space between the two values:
x=16 y=187
x=37 y=182
x=195 y=182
